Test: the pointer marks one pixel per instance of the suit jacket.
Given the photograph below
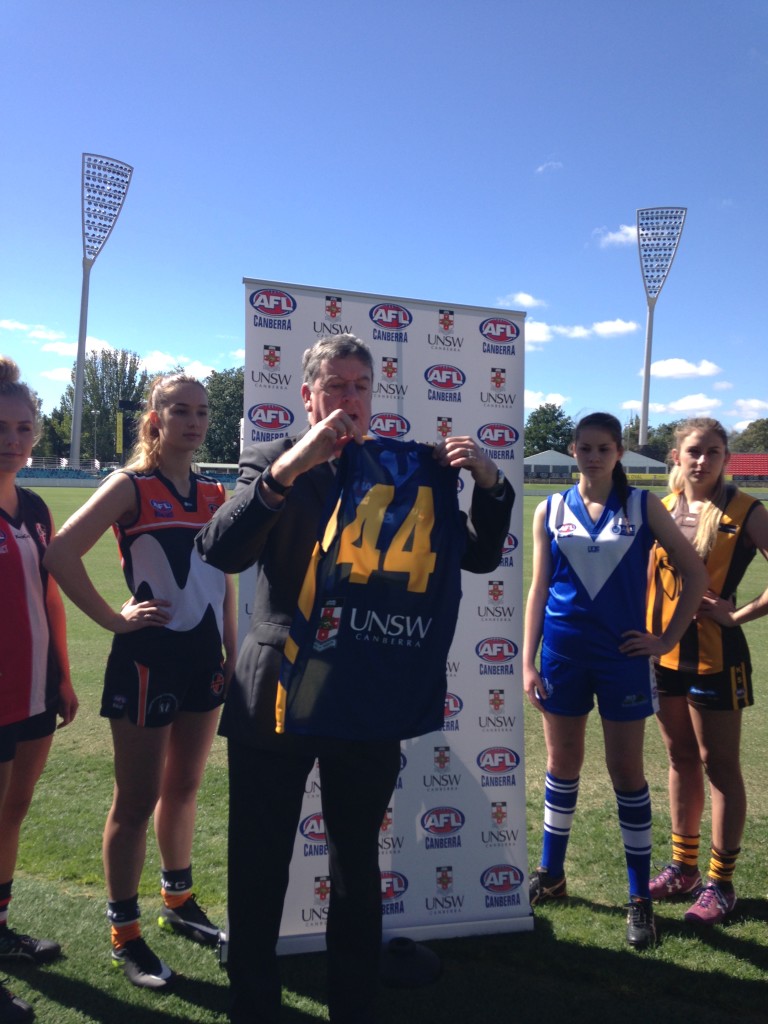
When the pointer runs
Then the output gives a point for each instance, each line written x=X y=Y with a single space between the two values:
x=245 y=532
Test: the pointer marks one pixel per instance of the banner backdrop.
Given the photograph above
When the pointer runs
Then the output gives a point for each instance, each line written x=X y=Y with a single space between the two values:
x=453 y=845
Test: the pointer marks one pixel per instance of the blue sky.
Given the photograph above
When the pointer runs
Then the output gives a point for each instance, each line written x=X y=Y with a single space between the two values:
x=491 y=153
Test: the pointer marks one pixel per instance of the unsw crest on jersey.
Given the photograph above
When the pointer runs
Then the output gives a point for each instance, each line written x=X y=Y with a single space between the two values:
x=366 y=654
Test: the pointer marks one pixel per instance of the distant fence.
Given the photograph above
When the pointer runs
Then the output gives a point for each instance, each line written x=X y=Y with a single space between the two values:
x=48 y=472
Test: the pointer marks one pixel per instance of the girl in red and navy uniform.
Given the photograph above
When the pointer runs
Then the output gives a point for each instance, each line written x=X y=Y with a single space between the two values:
x=35 y=683
x=165 y=679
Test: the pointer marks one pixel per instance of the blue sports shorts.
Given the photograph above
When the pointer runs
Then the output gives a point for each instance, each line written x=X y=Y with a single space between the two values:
x=625 y=688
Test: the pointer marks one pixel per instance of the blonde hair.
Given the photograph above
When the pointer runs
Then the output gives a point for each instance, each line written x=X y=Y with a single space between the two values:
x=712 y=511
x=145 y=457
x=12 y=387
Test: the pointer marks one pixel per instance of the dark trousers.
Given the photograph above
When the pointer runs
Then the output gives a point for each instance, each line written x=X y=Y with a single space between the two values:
x=265 y=798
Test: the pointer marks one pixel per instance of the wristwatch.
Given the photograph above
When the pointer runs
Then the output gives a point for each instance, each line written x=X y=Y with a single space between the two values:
x=274 y=485
x=497 y=489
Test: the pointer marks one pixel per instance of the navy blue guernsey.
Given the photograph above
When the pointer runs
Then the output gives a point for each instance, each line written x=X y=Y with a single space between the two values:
x=366 y=654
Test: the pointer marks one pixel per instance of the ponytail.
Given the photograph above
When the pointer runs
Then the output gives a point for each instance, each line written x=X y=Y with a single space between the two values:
x=621 y=485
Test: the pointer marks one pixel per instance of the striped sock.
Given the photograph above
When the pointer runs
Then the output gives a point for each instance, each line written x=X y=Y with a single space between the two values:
x=123 y=915
x=176 y=886
x=560 y=796
x=685 y=852
x=722 y=865
x=635 y=823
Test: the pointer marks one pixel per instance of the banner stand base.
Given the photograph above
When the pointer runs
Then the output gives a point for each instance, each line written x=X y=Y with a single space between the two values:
x=407 y=964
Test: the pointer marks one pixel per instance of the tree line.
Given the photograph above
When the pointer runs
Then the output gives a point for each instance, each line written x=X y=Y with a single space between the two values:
x=114 y=382
x=548 y=427
x=114 y=377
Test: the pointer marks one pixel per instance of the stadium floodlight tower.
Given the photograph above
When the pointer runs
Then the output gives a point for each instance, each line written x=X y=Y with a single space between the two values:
x=658 y=233
x=104 y=188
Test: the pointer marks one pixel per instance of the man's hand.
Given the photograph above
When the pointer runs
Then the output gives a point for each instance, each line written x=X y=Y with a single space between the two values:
x=465 y=453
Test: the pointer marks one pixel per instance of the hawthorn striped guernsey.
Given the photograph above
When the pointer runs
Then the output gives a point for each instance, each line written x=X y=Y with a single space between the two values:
x=366 y=654
x=706 y=647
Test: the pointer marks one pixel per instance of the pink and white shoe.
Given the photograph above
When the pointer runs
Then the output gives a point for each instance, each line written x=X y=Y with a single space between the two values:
x=673 y=881
x=712 y=906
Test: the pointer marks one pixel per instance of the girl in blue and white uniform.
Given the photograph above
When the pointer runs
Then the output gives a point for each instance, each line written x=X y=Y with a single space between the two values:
x=586 y=607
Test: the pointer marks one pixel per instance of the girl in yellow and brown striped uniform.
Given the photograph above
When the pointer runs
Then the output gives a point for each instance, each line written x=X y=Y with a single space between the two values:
x=706 y=680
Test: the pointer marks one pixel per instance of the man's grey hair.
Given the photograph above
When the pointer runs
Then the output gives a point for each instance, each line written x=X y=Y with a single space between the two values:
x=337 y=346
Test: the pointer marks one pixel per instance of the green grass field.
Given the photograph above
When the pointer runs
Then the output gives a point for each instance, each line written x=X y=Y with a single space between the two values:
x=575 y=963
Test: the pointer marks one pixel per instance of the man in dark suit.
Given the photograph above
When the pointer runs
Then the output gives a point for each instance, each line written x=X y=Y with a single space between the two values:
x=272 y=521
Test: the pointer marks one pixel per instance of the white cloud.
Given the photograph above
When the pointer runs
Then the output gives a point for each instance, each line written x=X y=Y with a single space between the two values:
x=682 y=368
x=13 y=325
x=163 y=362
x=520 y=300
x=46 y=334
x=97 y=345
x=69 y=348
x=533 y=399
x=536 y=332
x=239 y=353
x=609 y=328
x=549 y=165
x=694 y=405
x=722 y=385
x=158 y=362
x=197 y=369
x=62 y=373
x=635 y=405
x=626 y=235
x=61 y=348
x=742 y=424
x=572 y=332
x=753 y=407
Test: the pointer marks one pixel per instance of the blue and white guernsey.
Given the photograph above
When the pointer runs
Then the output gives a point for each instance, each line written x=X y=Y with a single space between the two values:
x=599 y=574
x=367 y=650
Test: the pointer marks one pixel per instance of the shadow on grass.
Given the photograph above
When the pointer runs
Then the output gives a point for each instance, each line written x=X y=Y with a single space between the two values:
x=210 y=1000
x=720 y=938
x=537 y=976
x=526 y=977
x=101 y=1005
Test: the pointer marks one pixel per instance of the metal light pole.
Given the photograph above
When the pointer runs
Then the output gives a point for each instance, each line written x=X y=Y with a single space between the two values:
x=658 y=233
x=104 y=187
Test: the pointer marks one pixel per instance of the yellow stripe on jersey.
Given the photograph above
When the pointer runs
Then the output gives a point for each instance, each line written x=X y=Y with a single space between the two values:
x=706 y=648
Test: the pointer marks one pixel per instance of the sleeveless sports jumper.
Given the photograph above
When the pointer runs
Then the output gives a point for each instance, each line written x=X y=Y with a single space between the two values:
x=366 y=654
x=599 y=572
x=29 y=670
x=706 y=647
x=159 y=559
